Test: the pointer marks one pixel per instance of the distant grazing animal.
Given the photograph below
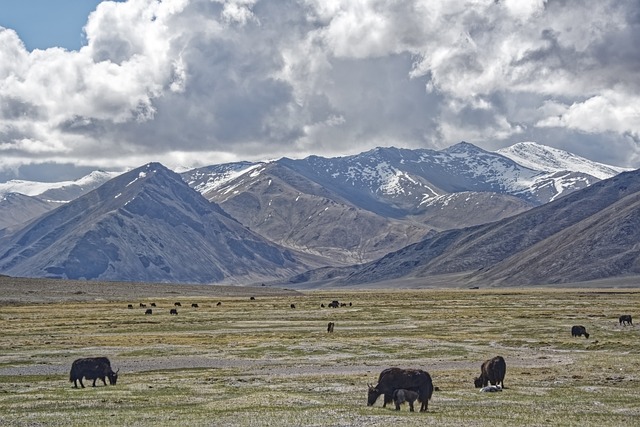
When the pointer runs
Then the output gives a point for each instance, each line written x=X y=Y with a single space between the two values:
x=219 y=303
x=330 y=327
x=578 y=330
x=92 y=368
x=492 y=371
x=392 y=379
x=252 y=298
x=194 y=305
x=130 y=306
x=350 y=304
x=343 y=304
x=143 y=305
x=401 y=395
x=149 y=311
x=625 y=319
x=334 y=304
x=173 y=311
x=293 y=306
x=177 y=304
x=153 y=304
x=322 y=305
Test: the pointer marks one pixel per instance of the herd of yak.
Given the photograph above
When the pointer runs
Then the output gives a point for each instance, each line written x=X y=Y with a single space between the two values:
x=395 y=384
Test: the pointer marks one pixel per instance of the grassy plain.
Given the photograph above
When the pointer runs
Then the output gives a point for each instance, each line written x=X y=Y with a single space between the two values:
x=262 y=363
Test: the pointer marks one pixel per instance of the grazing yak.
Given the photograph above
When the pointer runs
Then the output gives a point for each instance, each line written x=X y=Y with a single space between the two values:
x=148 y=311
x=401 y=395
x=579 y=330
x=330 y=326
x=625 y=320
x=194 y=305
x=177 y=304
x=492 y=371
x=92 y=368
x=392 y=379
x=173 y=311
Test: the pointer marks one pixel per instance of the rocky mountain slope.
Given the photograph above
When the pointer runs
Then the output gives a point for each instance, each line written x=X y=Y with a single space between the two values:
x=145 y=225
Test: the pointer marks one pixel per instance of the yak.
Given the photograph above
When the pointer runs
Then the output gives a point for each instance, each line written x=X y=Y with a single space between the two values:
x=392 y=379
x=625 y=319
x=173 y=311
x=401 y=395
x=492 y=371
x=92 y=368
x=579 y=330
x=330 y=327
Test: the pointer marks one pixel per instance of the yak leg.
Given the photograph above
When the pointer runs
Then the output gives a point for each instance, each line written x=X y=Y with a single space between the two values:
x=81 y=384
x=397 y=406
x=411 y=406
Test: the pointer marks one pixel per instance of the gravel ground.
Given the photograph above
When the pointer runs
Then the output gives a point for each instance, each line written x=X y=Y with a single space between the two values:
x=29 y=291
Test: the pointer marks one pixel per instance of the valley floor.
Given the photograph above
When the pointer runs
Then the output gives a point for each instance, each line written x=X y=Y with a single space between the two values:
x=237 y=361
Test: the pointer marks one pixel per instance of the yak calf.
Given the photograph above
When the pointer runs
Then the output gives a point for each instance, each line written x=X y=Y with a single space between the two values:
x=401 y=395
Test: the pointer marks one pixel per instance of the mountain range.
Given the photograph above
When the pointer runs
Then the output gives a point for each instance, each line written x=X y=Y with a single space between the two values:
x=587 y=235
x=383 y=214
x=145 y=225
x=359 y=208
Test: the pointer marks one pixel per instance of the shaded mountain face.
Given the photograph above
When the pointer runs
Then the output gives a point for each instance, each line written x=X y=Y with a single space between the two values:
x=587 y=235
x=144 y=225
x=16 y=208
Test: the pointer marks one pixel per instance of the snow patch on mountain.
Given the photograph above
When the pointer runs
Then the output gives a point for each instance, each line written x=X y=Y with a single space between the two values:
x=230 y=173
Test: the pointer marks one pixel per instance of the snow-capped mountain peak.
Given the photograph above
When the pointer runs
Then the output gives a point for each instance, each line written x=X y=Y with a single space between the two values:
x=541 y=157
x=36 y=188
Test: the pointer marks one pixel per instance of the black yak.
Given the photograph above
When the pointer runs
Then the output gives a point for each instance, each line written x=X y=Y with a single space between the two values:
x=148 y=311
x=401 y=395
x=194 y=305
x=92 y=368
x=492 y=371
x=177 y=304
x=579 y=330
x=173 y=311
x=392 y=379
x=330 y=327
x=625 y=319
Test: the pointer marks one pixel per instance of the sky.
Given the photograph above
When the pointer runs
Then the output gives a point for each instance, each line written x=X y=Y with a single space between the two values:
x=88 y=84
